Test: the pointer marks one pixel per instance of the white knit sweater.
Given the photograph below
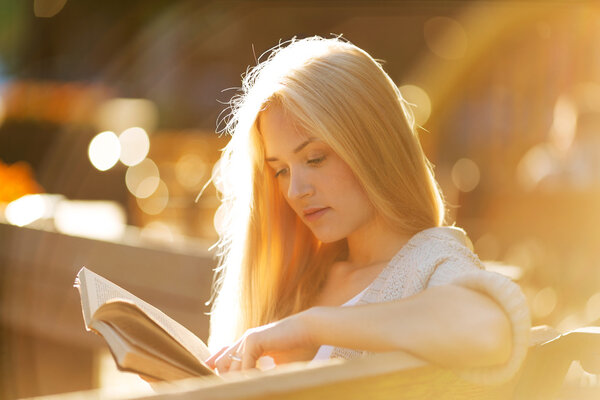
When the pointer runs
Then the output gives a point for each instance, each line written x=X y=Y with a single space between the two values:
x=439 y=256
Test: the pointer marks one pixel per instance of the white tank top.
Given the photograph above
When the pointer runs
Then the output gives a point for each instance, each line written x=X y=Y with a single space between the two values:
x=325 y=351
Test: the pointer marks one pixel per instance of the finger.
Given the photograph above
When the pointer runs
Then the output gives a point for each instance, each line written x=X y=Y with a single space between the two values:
x=235 y=365
x=234 y=355
x=222 y=367
x=252 y=351
x=223 y=363
x=211 y=361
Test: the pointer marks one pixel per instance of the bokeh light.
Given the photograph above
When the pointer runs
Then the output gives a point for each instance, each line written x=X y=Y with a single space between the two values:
x=592 y=309
x=47 y=8
x=158 y=231
x=513 y=272
x=544 y=302
x=135 y=145
x=104 y=150
x=2 y=112
x=104 y=220
x=535 y=165
x=520 y=254
x=488 y=247
x=142 y=179
x=564 y=124
x=465 y=175
x=190 y=171
x=157 y=202
x=218 y=180
x=122 y=113
x=445 y=37
x=25 y=210
x=219 y=221
x=422 y=104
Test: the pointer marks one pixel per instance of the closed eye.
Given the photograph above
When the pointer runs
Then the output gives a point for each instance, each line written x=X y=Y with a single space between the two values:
x=316 y=161
x=313 y=161
x=280 y=172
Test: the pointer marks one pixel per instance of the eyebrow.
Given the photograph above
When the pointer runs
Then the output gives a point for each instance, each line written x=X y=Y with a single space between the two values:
x=296 y=150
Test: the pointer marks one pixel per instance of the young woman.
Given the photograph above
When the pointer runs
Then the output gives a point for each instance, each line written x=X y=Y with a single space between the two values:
x=329 y=201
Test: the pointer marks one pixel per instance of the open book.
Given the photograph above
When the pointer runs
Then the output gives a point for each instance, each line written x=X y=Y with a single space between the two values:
x=141 y=338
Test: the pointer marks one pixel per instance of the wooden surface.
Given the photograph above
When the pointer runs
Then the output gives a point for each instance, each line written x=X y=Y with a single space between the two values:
x=40 y=312
x=548 y=361
x=381 y=376
x=391 y=376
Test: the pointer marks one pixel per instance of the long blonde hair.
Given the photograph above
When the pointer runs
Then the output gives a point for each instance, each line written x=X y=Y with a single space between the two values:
x=270 y=264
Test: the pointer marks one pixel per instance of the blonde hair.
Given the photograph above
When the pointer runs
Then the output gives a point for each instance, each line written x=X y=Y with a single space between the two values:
x=270 y=264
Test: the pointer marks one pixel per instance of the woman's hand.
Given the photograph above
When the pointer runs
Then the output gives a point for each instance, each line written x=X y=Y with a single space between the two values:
x=285 y=341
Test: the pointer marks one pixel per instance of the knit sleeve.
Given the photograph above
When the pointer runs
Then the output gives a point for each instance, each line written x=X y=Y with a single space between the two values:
x=509 y=296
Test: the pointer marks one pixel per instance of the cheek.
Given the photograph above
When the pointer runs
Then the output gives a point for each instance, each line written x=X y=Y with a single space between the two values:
x=343 y=184
x=282 y=188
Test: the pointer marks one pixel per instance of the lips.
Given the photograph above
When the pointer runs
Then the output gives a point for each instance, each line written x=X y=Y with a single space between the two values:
x=312 y=214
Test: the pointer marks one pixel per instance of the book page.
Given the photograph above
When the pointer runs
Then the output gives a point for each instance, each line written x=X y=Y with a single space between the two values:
x=96 y=290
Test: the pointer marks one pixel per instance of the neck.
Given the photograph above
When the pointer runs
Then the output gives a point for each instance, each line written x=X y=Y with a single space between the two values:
x=374 y=243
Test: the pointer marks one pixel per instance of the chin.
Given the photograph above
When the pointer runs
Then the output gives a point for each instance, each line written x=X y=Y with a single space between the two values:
x=328 y=237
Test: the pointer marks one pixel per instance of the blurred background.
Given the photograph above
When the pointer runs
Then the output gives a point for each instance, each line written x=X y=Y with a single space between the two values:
x=108 y=119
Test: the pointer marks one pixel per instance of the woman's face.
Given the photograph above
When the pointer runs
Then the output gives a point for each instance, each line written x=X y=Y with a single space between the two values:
x=317 y=184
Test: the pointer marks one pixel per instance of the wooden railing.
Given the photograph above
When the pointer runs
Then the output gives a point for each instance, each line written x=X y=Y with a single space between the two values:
x=392 y=376
x=44 y=347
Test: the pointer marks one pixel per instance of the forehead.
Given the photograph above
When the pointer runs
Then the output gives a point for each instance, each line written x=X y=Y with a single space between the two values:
x=280 y=133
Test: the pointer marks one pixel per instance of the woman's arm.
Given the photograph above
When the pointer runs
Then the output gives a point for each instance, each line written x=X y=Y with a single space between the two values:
x=446 y=325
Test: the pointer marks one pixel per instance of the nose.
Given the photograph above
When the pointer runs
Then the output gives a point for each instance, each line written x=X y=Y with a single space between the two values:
x=299 y=185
